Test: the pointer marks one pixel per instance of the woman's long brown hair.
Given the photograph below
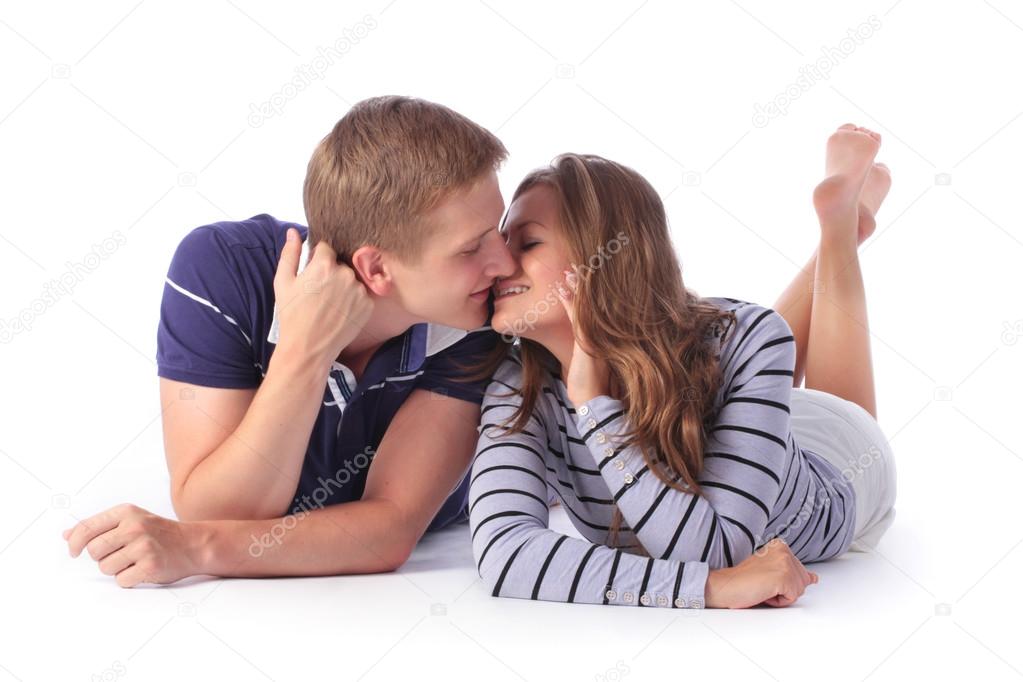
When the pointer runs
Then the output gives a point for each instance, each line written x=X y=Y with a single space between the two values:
x=633 y=308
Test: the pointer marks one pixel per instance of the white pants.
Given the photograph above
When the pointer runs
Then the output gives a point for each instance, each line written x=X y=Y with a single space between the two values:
x=848 y=436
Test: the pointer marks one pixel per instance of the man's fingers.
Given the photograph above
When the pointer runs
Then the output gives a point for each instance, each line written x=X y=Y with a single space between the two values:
x=290 y=254
x=106 y=544
x=132 y=576
x=323 y=251
x=85 y=531
x=115 y=562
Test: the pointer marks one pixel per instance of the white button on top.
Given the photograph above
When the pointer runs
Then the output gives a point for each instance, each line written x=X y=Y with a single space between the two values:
x=591 y=424
x=611 y=595
x=645 y=600
x=662 y=600
x=680 y=603
x=608 y=451
x=619 y=464
x=696 y=603
x=601 y=438
x=627 y=597
x=629 y=478
x=584 y=410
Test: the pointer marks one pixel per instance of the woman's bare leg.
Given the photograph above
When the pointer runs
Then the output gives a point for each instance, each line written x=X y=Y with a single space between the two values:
x=795 y=305
x=796 y=302
x=838 y=358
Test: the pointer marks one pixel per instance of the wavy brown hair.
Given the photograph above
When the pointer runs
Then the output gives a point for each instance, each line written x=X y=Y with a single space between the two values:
x=656 y=335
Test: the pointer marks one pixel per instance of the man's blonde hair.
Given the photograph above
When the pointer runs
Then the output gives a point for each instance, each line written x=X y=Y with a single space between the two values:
x=385 y=164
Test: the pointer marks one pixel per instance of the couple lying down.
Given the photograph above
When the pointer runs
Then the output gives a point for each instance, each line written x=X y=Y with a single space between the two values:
x=418 y=356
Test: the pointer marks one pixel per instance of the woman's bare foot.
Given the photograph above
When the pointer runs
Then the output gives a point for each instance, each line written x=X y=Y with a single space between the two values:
x=848 y=161
x=875 y=189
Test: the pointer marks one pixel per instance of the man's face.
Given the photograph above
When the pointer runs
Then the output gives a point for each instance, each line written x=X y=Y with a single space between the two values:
x=452 y=282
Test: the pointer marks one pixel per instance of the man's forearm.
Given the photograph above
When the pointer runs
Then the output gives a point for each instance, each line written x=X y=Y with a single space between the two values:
x=367 y=536
x=254 y=472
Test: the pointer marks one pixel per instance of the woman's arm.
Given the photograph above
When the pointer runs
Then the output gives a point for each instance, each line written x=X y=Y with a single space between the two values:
x=517 y=555
x=746 y=452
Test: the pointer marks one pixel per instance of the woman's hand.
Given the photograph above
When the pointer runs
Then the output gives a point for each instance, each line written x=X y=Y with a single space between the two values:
x=772 y=575
x=587 y=376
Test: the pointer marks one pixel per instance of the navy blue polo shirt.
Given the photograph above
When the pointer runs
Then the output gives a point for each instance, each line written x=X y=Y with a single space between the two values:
x=218 y=327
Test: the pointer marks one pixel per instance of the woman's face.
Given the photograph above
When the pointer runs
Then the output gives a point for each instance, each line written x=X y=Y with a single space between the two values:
x=526 y=304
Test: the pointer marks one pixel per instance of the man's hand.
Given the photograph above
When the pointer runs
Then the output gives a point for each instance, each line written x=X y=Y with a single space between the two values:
x=324 y=308
x=137 y=546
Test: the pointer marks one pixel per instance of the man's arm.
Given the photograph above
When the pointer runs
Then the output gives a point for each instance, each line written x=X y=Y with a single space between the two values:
x=424 y=455
x=238 y=453
x=422 y=458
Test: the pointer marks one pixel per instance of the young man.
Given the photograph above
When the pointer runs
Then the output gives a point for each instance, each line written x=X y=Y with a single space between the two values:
x=315 y=413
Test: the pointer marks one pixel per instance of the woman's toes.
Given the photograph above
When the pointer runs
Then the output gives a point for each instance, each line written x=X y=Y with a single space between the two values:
x=868 y=131
x=847 y=126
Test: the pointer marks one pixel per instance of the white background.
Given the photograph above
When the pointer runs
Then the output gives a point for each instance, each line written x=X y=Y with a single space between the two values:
x=135 y=119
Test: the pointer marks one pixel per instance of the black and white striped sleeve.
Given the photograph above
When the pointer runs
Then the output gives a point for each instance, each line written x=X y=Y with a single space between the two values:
x=518 y=555
x=745 y=453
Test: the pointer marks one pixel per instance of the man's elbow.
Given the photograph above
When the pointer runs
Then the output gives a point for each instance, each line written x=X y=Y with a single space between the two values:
x=192 y=507
x=398 y=530
x=184 y=508
x=396 y=556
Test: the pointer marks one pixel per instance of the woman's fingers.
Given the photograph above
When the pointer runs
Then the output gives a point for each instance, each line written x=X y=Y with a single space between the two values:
x=800 y=578
x=566 y=294
x=779 y=601
x=804 y=574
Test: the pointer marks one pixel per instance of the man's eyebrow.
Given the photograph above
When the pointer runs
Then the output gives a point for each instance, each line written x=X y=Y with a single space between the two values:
x=479 y=237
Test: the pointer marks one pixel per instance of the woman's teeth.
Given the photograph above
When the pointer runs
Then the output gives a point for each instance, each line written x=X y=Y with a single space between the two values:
x=511 y=291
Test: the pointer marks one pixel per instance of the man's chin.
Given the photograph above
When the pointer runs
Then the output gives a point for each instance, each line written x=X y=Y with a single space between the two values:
x=468 y=319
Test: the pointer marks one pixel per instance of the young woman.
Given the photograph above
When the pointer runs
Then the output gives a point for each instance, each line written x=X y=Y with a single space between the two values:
x=669 y=425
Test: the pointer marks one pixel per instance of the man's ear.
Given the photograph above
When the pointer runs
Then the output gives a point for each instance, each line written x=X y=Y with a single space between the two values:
x=370 y=264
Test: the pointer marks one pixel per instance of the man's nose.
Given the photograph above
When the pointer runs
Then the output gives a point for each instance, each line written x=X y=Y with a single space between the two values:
x=502 y=262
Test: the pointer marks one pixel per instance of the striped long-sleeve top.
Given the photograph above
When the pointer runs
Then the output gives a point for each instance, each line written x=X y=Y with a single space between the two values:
x=756 y=483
